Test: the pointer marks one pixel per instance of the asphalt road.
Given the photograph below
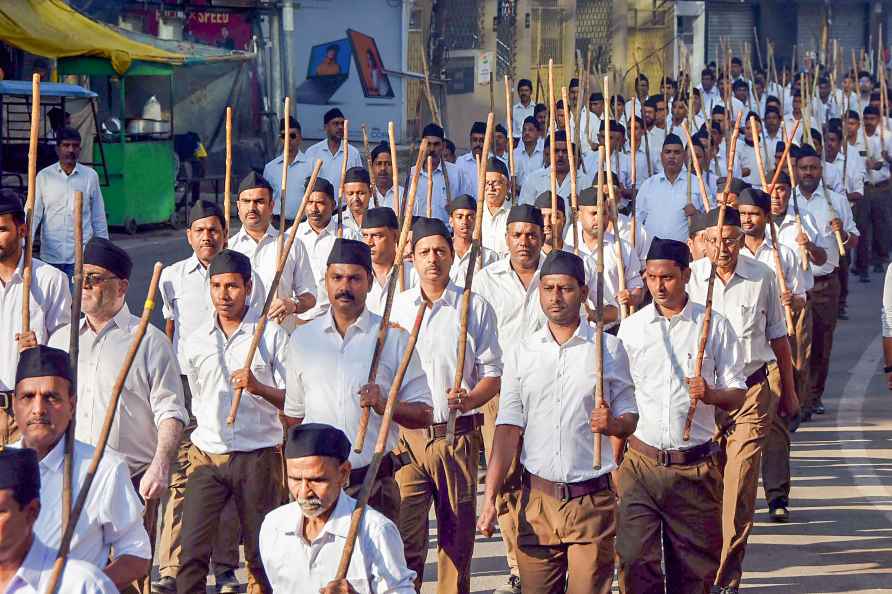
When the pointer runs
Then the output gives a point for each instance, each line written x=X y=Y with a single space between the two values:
x=838 y=539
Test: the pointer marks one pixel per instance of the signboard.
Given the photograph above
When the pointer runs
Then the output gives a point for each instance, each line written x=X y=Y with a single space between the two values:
x=485 y=65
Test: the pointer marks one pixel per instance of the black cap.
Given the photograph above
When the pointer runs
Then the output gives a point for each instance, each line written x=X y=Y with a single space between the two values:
x=254 y=181
x=496 y=166
x=11 y=203
x=381 y=147
x=614 y=127
x=669 y=249
x=561 y=262
x=357 y=175
x=587 y=197
x=697 y=223
x=230 y=261
x=543 y=200
x=596 y=96
x=20 y=470
x=737 y=184
x=871 y=110
x=203 y=209
x=426 y=227
x=806 y=150
x=433 y=130
x=350 y=251
x=478 y=128
x=463 y=202
x=755 y=197
x=102 y=252
x=500 y=129
x=732 y=217
x=332 y=114
x=292 y=124
x=43 y=361
x=524 y=213
x=672 y=139
x=783 y=179
x=316 y=439
x=383 y=216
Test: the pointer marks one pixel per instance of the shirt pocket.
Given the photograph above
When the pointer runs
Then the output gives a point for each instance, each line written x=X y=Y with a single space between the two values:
x=750 y=319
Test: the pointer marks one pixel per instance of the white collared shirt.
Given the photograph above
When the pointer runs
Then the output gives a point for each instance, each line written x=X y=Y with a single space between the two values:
x=50 y=309
x=376 y=298
x=642 y=237
x=458 y=184
x=794 y=276
x=112 y=516
x=317 y=247
x=79 y=577
x=549 y=392
x=746 y=156
x=494 y=228
x=526 y=163
x=326 y=372
x=589 y=124
x=438 y=338
x=186 y=299
x=875 y=148
x=540 y=181
x=631 y=265
x=819 y=206
x=292 y=564
x=459 y=271
x=332 y=162
x=788 y=231
x=212 y=359
x=517 y=310
x=750 y=302
x=662 y=354
x=520 y=112
x=886 y=314
x=153 y=391
x=855 y=170
x=660 y=205
x=299 y=170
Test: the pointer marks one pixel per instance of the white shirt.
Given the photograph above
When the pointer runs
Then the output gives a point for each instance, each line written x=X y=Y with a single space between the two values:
x=112 y=516
x=875 y=148
x=549 y=392
x=642 y=237
x=819 y=206
x=332 y=162
x=326 y=372
x=517 y=310
x=519 y=113
x=292 y=564
x=54 y=207
x=153 y=391
x=494 y=227
x=631 y=265
x=79 y=577
x=376 y=298
x=589 y=124
x=794 y=276
x=855 y=173
x=186 y=298
x=660 y=205
x=318 y=246
x=212 y=359
x=662 y=353
x=746 y=156
x=458 y=184
x=526 y=163
x=886 y=314
x=750 y=302
x=50 y=305
x=438 y=338
x=788 y=231
x=299 y=170
x=459 y=271
x=540 y=181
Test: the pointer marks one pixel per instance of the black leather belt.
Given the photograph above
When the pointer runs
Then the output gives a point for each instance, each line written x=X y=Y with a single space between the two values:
x=757 y=377
x=877 y=185
x=463 y=425
x=389 y=465
x=567 y=491
x=684 y=457
x=825 y=277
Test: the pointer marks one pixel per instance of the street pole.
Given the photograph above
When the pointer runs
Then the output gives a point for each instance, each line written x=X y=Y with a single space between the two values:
x=287 y=39
x=275 y=73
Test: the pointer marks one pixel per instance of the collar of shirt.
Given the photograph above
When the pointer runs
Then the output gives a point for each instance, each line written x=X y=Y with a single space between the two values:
x=744 y=270
x=242 y=236
x=322 y=145
x=306 y=230
x=16 y=277
x=685 y=314
x=450 y=297
x=300 y=157
x=337 y=525
x=362 y=324
x=583 y=333
x=58 y=169
x=34 y=564
x=55 y=457
x=503 y=267
x=120 y=320
x=193 y=264
x=212 y=324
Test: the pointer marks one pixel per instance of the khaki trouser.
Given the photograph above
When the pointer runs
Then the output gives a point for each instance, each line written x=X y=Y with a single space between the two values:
x=743 y=435
x=254 y=480
x=824 y=298
x=225 y=548
x=776 y=451
x=671 y=509
x=801 y=351
x=566 y=542
x=446 y=477
x=506 y=502
x=384 y=498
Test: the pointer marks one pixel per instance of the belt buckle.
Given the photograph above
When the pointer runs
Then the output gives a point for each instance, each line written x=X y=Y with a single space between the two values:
x=563 y=491
x=663 y=458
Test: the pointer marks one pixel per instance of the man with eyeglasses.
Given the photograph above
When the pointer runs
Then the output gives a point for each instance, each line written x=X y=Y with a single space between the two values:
x=746 y=294
x=50 y=303
x=299 y=169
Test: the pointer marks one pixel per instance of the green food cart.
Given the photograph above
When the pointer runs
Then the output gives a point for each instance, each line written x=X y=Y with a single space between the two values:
x=139 y=152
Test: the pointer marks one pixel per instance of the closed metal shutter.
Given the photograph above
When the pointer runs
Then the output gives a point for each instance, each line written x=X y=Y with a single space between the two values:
x=847 y=25
x=731 y=21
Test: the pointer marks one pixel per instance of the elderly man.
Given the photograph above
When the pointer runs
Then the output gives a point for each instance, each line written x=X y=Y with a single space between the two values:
x=301 y=543
x=109 y=534
x=54 y=203
x=49 y=302
x=344 y=339
x=26 y=563
x=496 y=206
x=331 y=148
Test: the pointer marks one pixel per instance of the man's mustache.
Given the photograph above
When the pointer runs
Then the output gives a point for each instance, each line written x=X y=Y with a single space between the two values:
x=345 y=295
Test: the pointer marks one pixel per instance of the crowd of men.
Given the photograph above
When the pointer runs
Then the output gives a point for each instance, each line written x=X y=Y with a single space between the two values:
x=616 y=442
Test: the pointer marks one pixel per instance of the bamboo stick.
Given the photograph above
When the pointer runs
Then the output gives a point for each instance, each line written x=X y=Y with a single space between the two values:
x=573 y=188
x=29 y=204
x=509 y=116
x=227 y=180
x=599 y=315
x=415 y=174
x=368 y=161
x=704 y=195
x=271 y=291
x=552 y=151
x=346 y=146
x=395 y=177
x=624 y=309
x=286 y=161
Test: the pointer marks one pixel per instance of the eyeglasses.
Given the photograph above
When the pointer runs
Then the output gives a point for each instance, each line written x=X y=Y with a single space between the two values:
x=291 y=135
x=728 y=242
x=92 y=279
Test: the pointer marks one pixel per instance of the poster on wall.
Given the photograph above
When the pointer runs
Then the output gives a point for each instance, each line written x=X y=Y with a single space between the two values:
x=349 y=64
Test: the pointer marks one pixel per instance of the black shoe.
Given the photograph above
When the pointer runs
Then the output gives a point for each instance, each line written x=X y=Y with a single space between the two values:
x=165 y=585
x=819 y=409
x=777 y=510
x=512 y=587
x=227 y=583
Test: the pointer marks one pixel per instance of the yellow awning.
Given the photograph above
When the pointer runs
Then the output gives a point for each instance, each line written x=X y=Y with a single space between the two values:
x=52 y=29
